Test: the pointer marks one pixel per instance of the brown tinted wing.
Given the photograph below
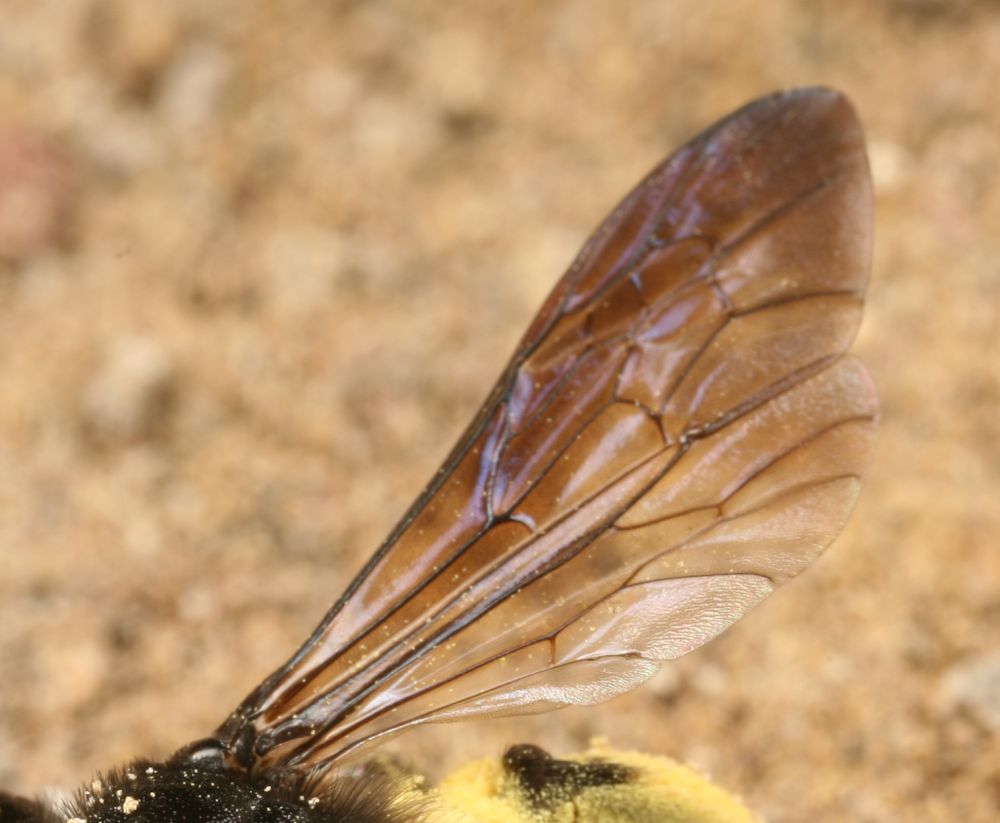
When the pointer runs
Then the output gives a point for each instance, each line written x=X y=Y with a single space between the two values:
x=678 y=432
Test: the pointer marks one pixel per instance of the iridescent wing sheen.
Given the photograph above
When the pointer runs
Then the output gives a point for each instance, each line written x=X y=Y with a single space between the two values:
x=679 y=432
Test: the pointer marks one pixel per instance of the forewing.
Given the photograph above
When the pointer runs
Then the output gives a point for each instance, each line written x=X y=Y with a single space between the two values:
x=678 y=432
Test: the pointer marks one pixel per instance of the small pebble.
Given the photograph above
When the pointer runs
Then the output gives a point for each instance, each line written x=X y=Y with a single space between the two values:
x=130 y=391
x=36 y=195
x=974 y=685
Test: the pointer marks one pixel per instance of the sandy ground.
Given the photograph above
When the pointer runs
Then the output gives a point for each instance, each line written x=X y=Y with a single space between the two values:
x=262 y=260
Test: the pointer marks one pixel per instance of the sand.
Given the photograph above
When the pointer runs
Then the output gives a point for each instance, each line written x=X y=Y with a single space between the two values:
x=261 y=262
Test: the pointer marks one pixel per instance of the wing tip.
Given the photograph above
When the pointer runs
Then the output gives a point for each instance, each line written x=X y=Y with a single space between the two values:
x=822 y=110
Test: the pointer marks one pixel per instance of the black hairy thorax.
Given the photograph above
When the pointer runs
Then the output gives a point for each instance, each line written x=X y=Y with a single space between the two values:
x=185 y=789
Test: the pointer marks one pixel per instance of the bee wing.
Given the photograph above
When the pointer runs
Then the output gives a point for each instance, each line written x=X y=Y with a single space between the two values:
x=678 y=433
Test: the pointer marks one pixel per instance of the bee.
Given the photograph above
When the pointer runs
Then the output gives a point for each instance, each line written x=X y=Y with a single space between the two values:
x=679 y=432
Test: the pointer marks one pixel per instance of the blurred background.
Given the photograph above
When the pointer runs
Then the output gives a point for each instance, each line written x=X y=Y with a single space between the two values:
x=261 y=261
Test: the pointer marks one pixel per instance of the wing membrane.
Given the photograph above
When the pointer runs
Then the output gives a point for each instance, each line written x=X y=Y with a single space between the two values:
x=678 y=432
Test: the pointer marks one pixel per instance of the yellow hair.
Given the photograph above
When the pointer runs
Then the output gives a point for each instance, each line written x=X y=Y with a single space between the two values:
x=662 y=791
